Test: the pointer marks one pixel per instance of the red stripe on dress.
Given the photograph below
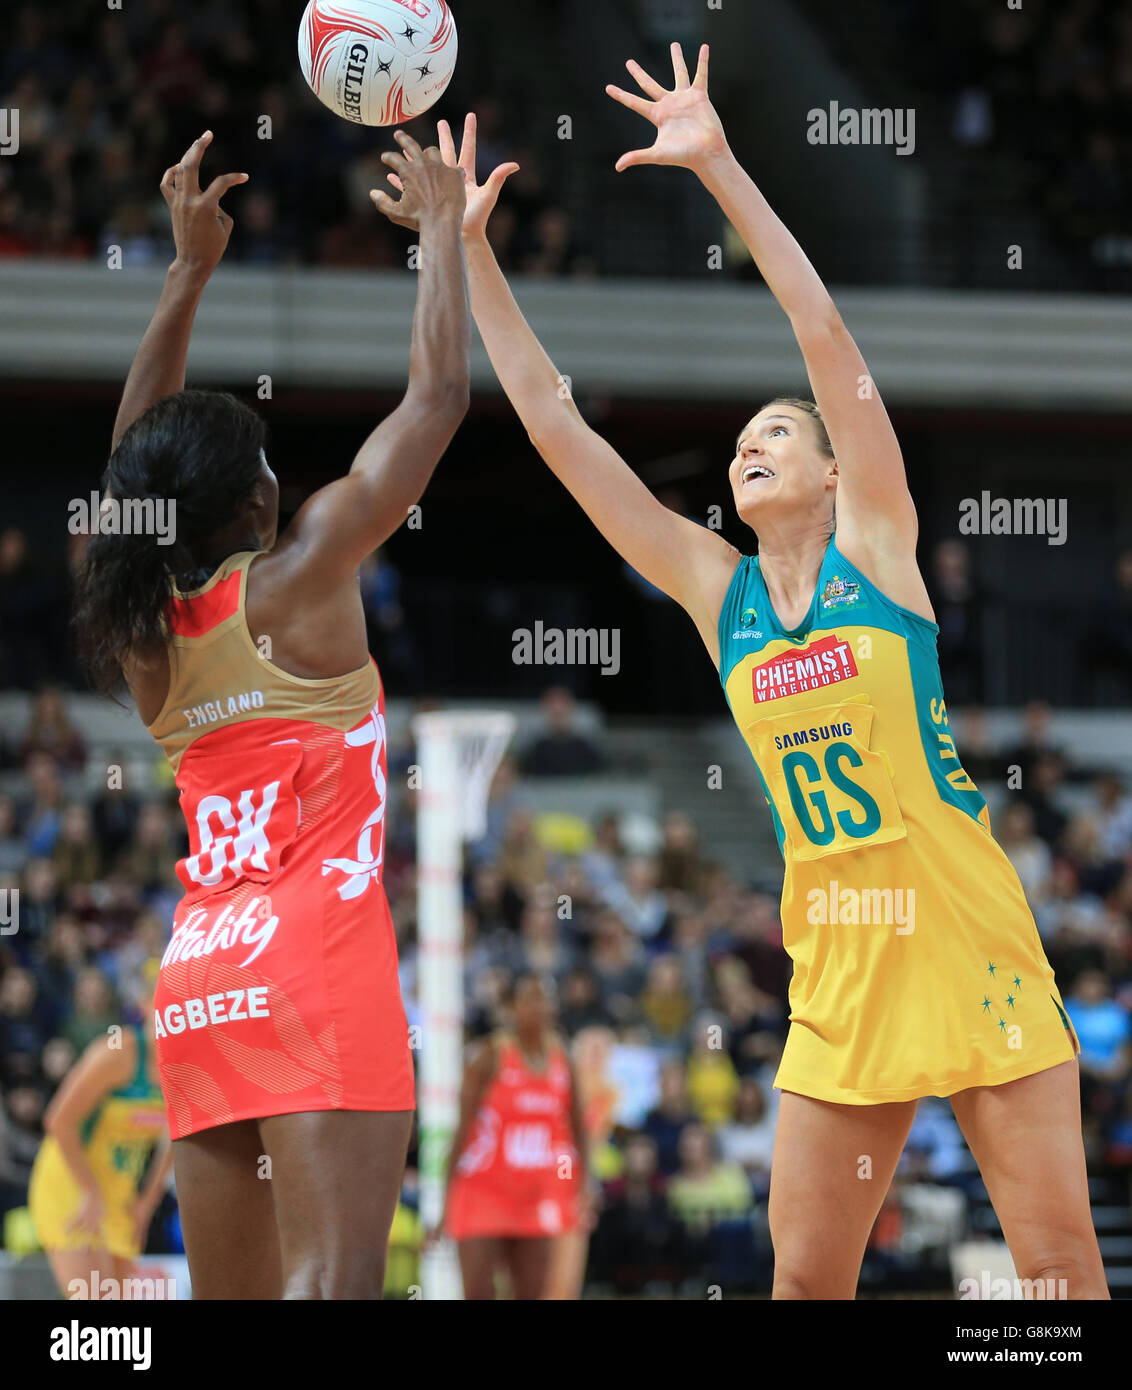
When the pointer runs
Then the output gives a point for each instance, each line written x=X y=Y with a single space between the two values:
x=193 y=617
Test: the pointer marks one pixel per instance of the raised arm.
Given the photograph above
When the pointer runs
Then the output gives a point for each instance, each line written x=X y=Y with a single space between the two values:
x=688 y=562
x=201 y=229
x=874 y=508
x=345 y=521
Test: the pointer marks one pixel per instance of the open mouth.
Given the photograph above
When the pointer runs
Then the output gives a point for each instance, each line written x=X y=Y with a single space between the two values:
x=756 y=471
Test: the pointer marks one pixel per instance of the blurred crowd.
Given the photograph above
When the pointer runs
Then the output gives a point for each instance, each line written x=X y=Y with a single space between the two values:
x=1049 y=83
x=108 y=98
x=668 y=970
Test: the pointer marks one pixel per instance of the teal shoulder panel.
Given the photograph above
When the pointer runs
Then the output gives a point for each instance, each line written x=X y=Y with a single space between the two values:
x=940 y=753
x=738 y=618
x=138 y=1088
x=846 y=595
x=920 y=637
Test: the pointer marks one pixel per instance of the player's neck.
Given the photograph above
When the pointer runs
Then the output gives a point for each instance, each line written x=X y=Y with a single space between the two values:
x=790 y=559
x=534 y=1050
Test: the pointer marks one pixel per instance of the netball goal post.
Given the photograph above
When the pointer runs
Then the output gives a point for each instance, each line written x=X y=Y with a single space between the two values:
x=458 y=752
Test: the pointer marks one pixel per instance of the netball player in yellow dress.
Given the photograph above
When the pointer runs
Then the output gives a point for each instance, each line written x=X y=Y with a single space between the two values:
x=917 y=967
x=97 y=1179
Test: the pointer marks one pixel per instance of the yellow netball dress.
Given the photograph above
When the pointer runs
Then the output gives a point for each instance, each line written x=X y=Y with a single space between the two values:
x=118 y=1139
x=918 y=969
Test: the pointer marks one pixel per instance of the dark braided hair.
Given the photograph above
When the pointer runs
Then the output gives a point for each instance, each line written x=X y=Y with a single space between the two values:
x=199 y=449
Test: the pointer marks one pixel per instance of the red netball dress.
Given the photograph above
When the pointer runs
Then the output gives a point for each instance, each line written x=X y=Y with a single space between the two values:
x=278 y=991
x=518 y=1173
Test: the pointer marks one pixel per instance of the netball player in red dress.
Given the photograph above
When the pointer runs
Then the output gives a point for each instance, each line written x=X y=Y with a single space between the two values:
x=517 y=1173
x=280 y=1032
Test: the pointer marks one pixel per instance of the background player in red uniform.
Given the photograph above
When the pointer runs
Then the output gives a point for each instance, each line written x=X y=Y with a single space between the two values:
x=517 y=1176
x=301 y=1082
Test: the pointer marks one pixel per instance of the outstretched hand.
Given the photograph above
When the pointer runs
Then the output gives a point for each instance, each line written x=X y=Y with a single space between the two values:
x=425 y=181
x=481 y=198
x=201 y=227
x=688 y=130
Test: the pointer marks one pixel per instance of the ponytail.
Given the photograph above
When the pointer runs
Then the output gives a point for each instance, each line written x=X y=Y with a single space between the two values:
x=201 y=450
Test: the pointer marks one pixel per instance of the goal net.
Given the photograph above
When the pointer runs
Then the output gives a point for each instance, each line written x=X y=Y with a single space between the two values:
x=458 y=752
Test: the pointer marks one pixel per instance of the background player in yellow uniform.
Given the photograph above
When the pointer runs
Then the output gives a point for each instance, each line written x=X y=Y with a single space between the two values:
x=827 y=651
x=96 y=1181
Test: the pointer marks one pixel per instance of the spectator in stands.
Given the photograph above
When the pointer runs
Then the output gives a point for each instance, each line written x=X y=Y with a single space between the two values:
x=636 y=1243
x=540 y=947
x=554 y=250
x=673 y=1112
x=617 y=961
x=1105 y=1034
x=712 y=1080
x=754 y=937
x=747 y=1138
x=689 y=934
x=581 y=1003
x=51 y=730
x=26 y=599
x=150 y=859
x=1083 y=842
x=1030 y=856
x=39 y=901
x=1037 y=741
x=1106 y=647
x=21 y=1133
x=706 y=1190
x=1114 y=815
x=41 y=814
x=749 y=1013
x=959 y=605
x=523 y=862
x=1119 y=1150
x=495 y=904
x=62 y=956
x=666 y=1004
x=603 y=861
x=935 y=1148
x=23 y=1027
x=93 y=1010
x=975 y=747
x=75 y=857
x=634 y=1072
x=560 y=751
x=1041 y=793
x=114 y=813
x=135 y=964
x=681 y=863
x=390 y=636
x=1065 y=909
x=637 y=900
x=13 y=850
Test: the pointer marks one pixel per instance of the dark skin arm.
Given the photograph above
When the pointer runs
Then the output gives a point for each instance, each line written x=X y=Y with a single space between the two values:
x=581 y=1143
x=201 y=229
x=348 y=519
x=303 y=591
x=479 y=1073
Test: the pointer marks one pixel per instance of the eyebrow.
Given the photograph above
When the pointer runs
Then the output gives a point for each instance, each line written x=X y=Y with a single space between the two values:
x=788 y=418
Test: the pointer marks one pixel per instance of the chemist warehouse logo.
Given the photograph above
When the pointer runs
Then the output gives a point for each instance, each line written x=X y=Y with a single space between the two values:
x=793 y=673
